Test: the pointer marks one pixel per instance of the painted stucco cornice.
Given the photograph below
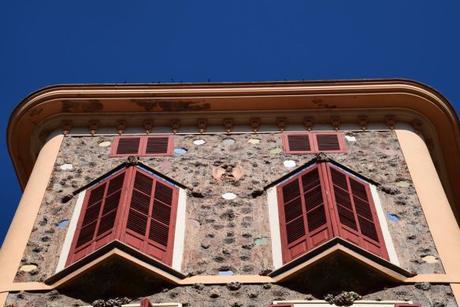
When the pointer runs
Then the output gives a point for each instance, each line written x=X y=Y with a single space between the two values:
x=361 y=96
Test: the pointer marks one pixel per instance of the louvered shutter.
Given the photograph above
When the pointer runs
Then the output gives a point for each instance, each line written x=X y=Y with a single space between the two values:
x=146 y=303
x=157 y=145
x=303 y=216
x=298 y=143
x=357 y=219
x=96 y=224
x=128 y=146
x=328 y=142
x=151 y=216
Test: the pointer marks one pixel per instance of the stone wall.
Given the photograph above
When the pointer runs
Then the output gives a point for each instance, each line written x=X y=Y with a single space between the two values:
x=231 y=235
x=235 y=295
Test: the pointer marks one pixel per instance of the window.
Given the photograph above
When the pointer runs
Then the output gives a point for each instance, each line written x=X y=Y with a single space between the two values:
x=323 y=202
x=142 y=146
x=133 y=206
x=313 y=142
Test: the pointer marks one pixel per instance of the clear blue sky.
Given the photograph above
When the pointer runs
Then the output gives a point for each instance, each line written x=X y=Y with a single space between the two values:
x=50 y=42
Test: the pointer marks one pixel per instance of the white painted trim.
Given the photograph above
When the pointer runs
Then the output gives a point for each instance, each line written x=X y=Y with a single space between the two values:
x=384 y=226
x=179 y=234
x=154 y=305
x=320 y=303
x=70 y=232
x=273 y=215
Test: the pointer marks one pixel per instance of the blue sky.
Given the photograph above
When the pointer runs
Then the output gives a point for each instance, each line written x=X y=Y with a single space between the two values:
x=55 y=42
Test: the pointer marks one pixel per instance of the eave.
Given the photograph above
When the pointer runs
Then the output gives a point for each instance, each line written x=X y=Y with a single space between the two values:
x=43 y=111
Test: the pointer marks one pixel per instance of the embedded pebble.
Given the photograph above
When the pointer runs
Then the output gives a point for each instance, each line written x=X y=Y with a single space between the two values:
x=289 y=163
x=350 y=138
x=63 y=224
x=254 y=141
x=28 y=267
x=179 y=151
x=228 y=141
x=275 y=151
x=104 y=144
x=199 y=142
x=66 y=167
x=229 y=196
x=430 y=259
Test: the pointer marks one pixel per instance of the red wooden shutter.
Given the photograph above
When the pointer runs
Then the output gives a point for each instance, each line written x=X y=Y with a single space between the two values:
x=158 y=145
x=303 y=216
x=97 y=219
x=298 y=143
x=151 y=217
x=146 y=303
x=128 y=145
x=357 y=218
x=328 y=142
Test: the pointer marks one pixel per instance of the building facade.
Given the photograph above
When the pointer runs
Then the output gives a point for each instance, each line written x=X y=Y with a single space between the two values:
x=256 y=194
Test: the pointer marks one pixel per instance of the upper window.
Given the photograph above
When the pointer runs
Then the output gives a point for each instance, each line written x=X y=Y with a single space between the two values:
x=132 y=206
x=323 y=202
x=313 y=142
x=142 y=146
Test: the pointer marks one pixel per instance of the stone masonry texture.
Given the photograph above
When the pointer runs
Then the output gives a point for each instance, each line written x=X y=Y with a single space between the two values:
x=234 y=235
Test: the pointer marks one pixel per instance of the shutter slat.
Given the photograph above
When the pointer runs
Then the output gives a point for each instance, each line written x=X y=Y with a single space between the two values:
x=291 y=191
x=293 y=210
x=295 y=229
x=299 y=142
x=140 y=202
x=158 y=233
x=111 y=202
x=346 y=217
x=128 y=145
x=328 y=142
x=157 y=145
x=92 y=213
x=143 y=183
x=161 y=212
x=310 y=180
x=314 y=198
x=107 y=222
x=163 y=193
x=96 y=195
x=86 y=234
x=316 y=218
x=137 y=222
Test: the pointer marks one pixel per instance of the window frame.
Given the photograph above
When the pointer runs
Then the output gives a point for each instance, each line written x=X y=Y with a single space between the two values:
x=119 y=229
x=313 y=141
x=141 y=152
x=332 y=227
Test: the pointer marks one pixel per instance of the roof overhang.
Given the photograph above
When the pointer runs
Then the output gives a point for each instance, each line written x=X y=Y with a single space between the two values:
x=45 y=110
